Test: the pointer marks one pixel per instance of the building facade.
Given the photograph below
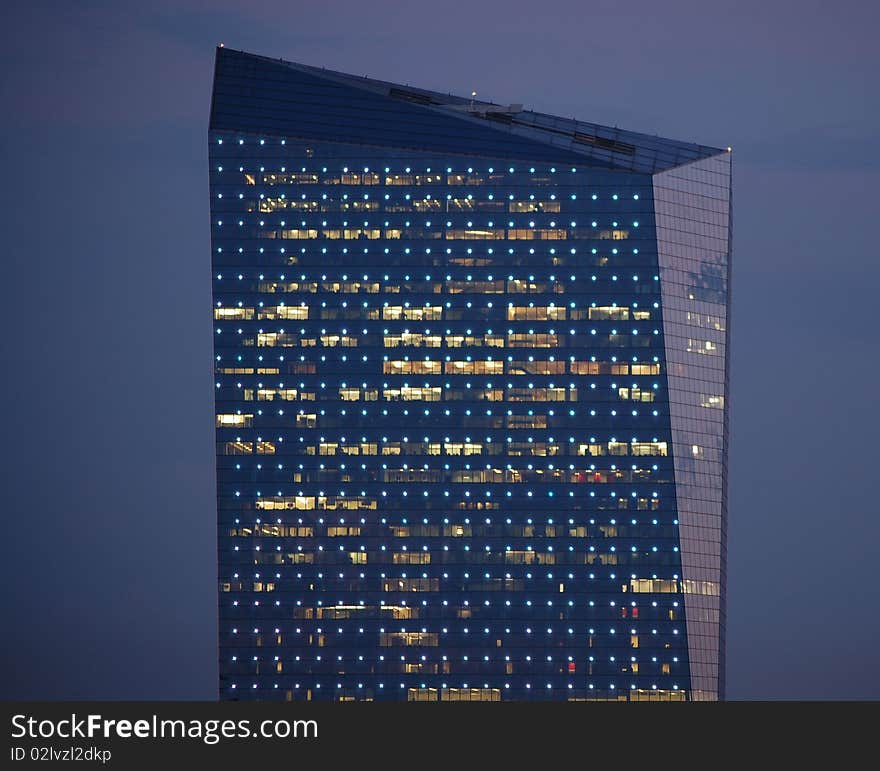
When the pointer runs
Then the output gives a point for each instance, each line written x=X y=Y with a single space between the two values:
x=471 y=397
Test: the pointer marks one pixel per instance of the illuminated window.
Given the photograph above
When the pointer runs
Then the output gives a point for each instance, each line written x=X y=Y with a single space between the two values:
x=284 y=312
x=474 y=367
x=653 y=585
x=609 y=313
x=238 y=448
x=243 y=314
x=518 y=313
x=411 y=367
x=226 y=421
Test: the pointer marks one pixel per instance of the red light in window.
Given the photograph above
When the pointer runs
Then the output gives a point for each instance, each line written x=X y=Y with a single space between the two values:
x=572 y=666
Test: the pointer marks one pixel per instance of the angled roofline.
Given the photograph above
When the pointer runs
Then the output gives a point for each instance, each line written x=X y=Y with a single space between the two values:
x=573 y=141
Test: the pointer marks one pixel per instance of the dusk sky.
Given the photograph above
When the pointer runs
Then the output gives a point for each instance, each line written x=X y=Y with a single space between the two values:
x=109 y=555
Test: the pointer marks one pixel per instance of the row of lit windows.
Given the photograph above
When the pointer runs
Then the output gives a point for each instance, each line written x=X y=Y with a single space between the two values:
x=324 y=559
x=492 y=476
x=509 y=583
x=258 y=556
x=491 y=230
x=408 y=204
x=386 y=447
x=462 y=256
x=450 y=234
x=405 y=585
x=378 y=552
x=432 y=639
x=470 y=420
x=525 y=367
x=468 y=396
x=615 y=230
x=620 y=659
x=466 y=256
x=375 y=540
x=618 y=229
x=435 y=313
x=357 y=502
x=406 y=176
x=509 y=448
x=456 y=314
x=524 y=611
x=405 y=337
x=510 y=421
x=489 y=475
x=613 y=338
x=425 y=205
x=408 y=474
x=571 y=557
x=433 y=394
x=511 y=340
x=293 y=692
x=468 y=312
x=436 y=393
x=237 y=262
x=322 y=475
x=278 y=530
x=409 y=611
x=512 y=557
x=450 y=286
x=367 y=614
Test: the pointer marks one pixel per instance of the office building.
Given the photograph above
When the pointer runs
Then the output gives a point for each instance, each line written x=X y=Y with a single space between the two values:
x=471 y=397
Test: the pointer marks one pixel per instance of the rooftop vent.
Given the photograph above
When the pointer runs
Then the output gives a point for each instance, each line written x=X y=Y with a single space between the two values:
x=606 y=144
x=410 y=96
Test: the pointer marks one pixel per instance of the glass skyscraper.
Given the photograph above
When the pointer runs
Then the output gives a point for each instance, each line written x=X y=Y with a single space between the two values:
x=471 y=397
